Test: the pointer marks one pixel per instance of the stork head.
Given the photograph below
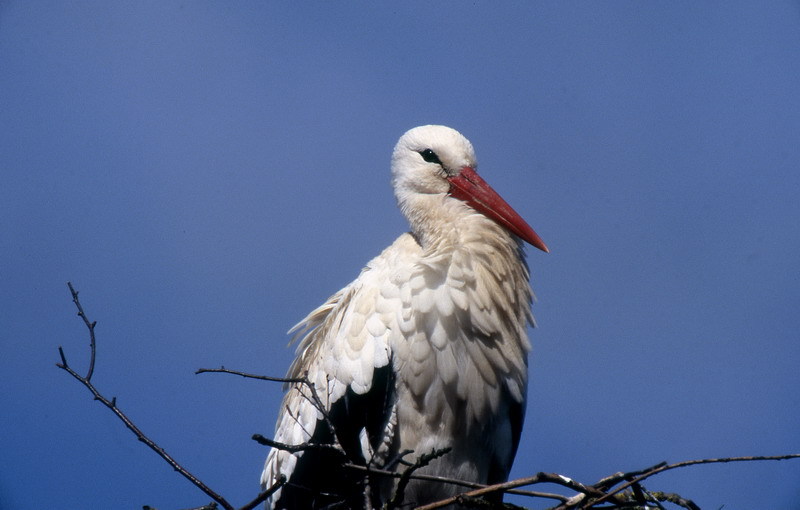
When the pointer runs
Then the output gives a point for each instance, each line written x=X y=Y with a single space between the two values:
x=438 y=162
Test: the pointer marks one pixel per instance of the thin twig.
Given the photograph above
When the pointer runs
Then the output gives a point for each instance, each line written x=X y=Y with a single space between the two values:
x=294 y=448
x=90 y=326
x=224 y=370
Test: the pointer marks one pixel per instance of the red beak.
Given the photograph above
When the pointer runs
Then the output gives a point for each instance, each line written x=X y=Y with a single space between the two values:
x=469 y=187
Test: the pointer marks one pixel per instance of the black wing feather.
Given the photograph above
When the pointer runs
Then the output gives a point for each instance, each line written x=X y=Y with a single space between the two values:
x=320 y=479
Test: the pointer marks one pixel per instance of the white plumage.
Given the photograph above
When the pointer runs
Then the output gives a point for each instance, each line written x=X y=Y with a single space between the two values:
x=426 y=349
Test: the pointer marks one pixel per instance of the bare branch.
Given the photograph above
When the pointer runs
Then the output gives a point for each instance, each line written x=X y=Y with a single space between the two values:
x=224 y=370
x=292 y=448
x=112 y=404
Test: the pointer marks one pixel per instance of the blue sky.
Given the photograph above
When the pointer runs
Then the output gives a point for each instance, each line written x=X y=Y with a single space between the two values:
x=207 y=173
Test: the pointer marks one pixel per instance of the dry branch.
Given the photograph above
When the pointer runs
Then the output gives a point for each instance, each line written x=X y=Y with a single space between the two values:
x=112 y=405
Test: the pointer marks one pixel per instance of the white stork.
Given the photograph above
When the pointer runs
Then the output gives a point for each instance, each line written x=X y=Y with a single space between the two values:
x=426 y=349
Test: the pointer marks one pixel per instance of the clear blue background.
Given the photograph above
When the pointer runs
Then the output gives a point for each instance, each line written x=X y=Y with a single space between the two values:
x=207 y=173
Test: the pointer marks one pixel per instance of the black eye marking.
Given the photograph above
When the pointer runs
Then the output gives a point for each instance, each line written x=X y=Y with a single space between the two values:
x=430 y=156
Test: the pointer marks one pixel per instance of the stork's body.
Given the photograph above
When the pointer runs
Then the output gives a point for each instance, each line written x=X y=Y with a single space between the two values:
x=426 y=349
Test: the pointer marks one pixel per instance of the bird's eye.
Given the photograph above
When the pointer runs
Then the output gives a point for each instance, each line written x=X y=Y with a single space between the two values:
x=430 y=156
